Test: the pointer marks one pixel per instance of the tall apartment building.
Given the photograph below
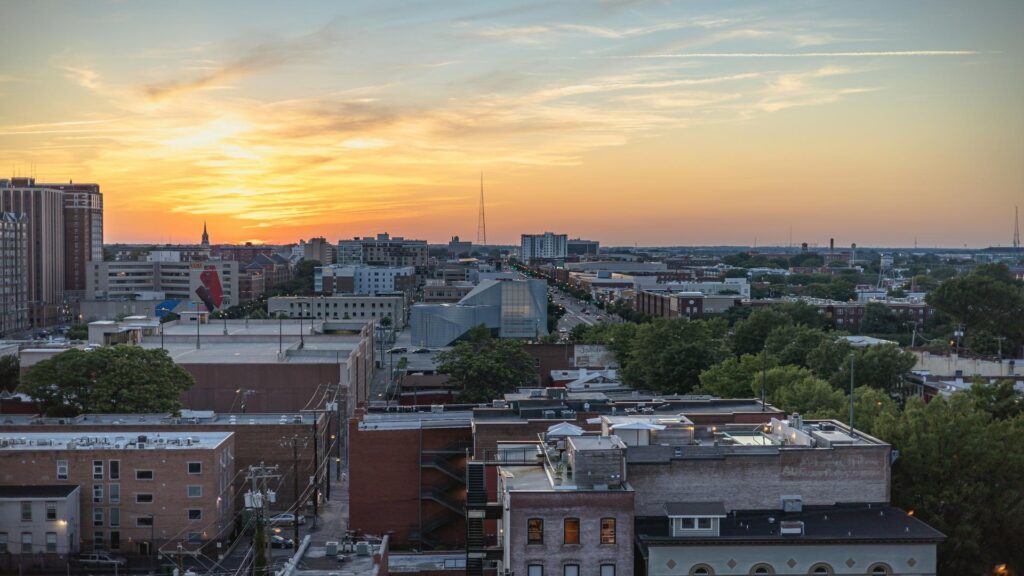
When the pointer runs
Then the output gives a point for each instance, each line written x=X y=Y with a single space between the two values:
x=137 y=489
x=14 y=300
x=543 y=246
x=176 y=280
x=384 y=251
x=83 y=232
x=319 y=249
x=357 y=279
x=44 y=210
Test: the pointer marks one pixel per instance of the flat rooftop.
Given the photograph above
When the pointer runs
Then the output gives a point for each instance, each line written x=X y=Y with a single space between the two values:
x=219 y=351
x=416 y=420
x=842 y=523
x=188 y=417
x=215 y=327
x=126 y=440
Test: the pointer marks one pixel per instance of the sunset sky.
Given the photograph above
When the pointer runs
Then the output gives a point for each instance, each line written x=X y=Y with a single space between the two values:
x=657 y=123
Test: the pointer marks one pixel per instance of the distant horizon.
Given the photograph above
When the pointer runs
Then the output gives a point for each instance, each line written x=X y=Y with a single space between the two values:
x=659 y=123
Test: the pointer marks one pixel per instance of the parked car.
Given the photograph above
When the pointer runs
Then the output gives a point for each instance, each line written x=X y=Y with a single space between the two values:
x=397 y=351
x=421 y=351
x=285 y=519
x=102 y=559
x=281 y=542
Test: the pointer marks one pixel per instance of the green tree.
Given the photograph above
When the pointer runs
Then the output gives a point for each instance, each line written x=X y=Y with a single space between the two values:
x=880 y=366
x=731 y=378
x=808 y=395
x=880 y=319
x=748 y=336
x=109 y=380
x=828 y=357
x=78 y=332
x=999 y=398
x=793 y=343
x=669 y=355
x=776 y=378
x=10 y=372
x=988 y=299
x=960 y=470
x=484 y=368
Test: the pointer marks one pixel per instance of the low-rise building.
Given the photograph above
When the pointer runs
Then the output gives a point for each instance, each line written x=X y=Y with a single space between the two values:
x=512 y=308
x=360 y=279
x=136 y=490
x=38 y=520
x=355 y=307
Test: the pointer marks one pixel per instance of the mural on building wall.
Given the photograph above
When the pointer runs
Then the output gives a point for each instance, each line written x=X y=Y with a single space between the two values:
x=210 y=291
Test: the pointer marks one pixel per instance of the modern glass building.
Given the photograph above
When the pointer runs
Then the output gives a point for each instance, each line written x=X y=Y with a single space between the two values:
x=514 y=308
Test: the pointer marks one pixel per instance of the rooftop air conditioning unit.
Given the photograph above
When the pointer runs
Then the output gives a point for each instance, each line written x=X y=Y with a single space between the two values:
x=549 y=414
x=791 y=528
x=437 y=408
x=498 y=404
x=792 y=503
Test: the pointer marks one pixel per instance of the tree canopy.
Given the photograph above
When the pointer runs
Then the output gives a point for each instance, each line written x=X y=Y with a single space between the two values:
x=669 y=355
x=485 y=368
x=110 y=380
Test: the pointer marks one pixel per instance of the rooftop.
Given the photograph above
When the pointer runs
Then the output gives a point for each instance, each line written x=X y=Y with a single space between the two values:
x=187 y=417
x=841 y=523
x=218 y=351
x=37 y=491
x=126 y=440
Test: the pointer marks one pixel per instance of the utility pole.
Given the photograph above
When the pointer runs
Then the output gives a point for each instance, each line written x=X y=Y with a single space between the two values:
x=852 y=433
x=316 y=473
x=295 y=442
x=256 y=501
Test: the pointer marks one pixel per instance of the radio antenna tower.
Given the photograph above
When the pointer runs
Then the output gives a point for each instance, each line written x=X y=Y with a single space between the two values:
x=481 y=225
x=1016 y=229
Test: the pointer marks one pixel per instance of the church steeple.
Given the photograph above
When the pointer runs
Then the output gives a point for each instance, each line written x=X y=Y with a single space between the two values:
x=206 y=237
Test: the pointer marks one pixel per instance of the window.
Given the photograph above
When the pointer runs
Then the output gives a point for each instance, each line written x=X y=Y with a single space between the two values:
x=195 y=467
x=26 y=542
x=702 y=570
x=880 y=569
x=762 y=570
x=3 y=542
x=51 y=542
x=571 y=570
x=115 y=540
x=97 y=493
x=195 y=514
x=115 y=469
x=144 y=521
x=571 y=531
x=26 y=511
x=535 y=570
x=607 y=569
x=704 y=523
x=51 y=511
x=607 y=530
x=143 y=498
x=98 y=539
x=115 y=493
x=115 y=517
x=195 y=491
x=62 y=469
x=143 y=474
x=97 y=469
x=821 y=569
x=97 y=516
x=535 y=531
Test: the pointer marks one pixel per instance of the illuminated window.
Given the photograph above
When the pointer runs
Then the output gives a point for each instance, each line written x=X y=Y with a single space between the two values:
x=607 y=530
x=571 y=531
x=535 y=531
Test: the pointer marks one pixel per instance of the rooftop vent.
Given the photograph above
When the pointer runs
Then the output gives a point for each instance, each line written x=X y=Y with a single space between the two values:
x=791 y=528
x=792 y=503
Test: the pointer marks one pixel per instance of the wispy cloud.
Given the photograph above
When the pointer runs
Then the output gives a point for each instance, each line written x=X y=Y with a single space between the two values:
x=259 y=58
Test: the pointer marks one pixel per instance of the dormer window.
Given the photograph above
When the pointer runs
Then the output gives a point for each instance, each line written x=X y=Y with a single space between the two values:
x=695 y=519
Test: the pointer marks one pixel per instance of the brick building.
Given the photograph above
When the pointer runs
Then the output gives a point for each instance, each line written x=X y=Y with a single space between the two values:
x=137 y=489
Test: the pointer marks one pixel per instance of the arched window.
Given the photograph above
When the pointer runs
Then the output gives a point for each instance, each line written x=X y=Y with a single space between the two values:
x=762 y=570
x=702 y=570
x=880 y=569
x=821 y=569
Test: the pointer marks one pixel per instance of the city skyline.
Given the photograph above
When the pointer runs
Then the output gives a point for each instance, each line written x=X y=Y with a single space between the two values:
x=628 y=122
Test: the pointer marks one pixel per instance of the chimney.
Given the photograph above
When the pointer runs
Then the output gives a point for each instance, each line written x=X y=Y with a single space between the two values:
x=831 y=245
